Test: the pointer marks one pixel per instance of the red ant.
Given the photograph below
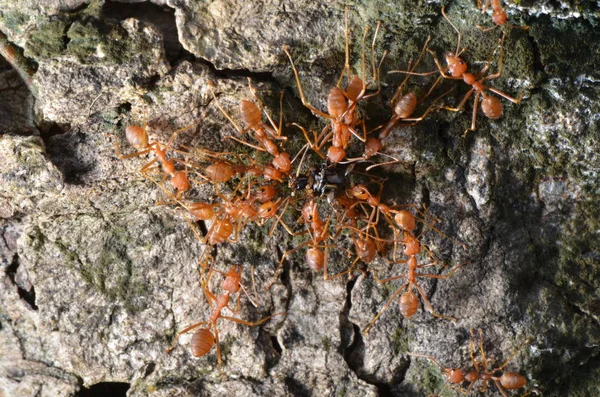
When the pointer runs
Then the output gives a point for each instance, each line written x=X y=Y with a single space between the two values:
x=455 y=376
x=203 y=339
x=138 y=138
x=251 y=114
x=491 y=106
x=341 y=104
x=498 y=15
x=409 y=301
x=457 y=69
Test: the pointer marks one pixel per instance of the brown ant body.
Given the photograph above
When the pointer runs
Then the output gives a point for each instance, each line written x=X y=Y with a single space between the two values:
x=264 y=134
x=498 y=15
x=456 y=69
x=409 y=301
x=137 y=137
x=341 y=104
x=455 y=376
x=204 y=339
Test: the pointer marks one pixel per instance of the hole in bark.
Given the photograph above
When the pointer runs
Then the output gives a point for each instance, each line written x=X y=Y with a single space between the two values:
x=24 y=287
x=102 y=389
x=162 y=18
x=276 y=344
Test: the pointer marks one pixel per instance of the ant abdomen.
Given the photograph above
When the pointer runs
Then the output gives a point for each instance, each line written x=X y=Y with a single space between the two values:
x=406 y=105
x=315 y=259
x=336 y=102
x=202 y=342
x=409 y=303
x=491 y=107
x=136 y=136
x=250 y=113
x=512 y=380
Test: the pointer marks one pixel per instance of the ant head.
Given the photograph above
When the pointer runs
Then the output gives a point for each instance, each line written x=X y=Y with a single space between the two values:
x=499 y=17
x=453 y=375
x=233 y=279
x=456 y=66
x=360 y=192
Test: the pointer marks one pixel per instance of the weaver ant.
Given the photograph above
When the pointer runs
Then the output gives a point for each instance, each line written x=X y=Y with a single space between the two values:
x=203 y=339
x=457 y=70
x=409 y=301
x=498 y=15
x=341 y=104
x=455 y=377
x=137 y=137
x=251 y=114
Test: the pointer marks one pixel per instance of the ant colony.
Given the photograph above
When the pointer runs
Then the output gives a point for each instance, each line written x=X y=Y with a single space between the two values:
x=319 y=188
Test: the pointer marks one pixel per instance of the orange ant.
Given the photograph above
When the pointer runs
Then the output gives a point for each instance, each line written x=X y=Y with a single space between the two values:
x=137 y=137
x=498 y=15
x=491 y=106
x=457 y=70
x=455 y=376
x=251 y=114
x=203 y=339
x=341 y=104
x=409 y=301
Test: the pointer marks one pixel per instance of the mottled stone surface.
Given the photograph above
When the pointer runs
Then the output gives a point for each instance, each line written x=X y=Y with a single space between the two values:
x=98 y=275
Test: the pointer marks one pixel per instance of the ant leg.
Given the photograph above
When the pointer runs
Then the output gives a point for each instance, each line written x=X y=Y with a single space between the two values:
x=218 y=343
x=346 y=68
x=500 y=388
x=177 y=132
x=509 y=359
x=136 y=154
x=245 y=143
x=312 y=145
x=455 y=28
x=183 y=331
x=398 y=92
x=384 y=308
x=474 y=118
x=441 y=276
x=326 y=275
x=428 y=304
x=472 y=352
x=302 y=97
x=227 y=116
x=462 y=103
x=503 y=95
x=280 y=264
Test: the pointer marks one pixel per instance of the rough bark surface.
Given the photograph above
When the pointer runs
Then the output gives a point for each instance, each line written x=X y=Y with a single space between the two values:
x=97 y=278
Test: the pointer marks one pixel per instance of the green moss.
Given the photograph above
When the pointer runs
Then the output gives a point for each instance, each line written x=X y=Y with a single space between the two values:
x=14 y=21
x=433 y=380
x=326 y=343
x=400 y=341
x=47 y=41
